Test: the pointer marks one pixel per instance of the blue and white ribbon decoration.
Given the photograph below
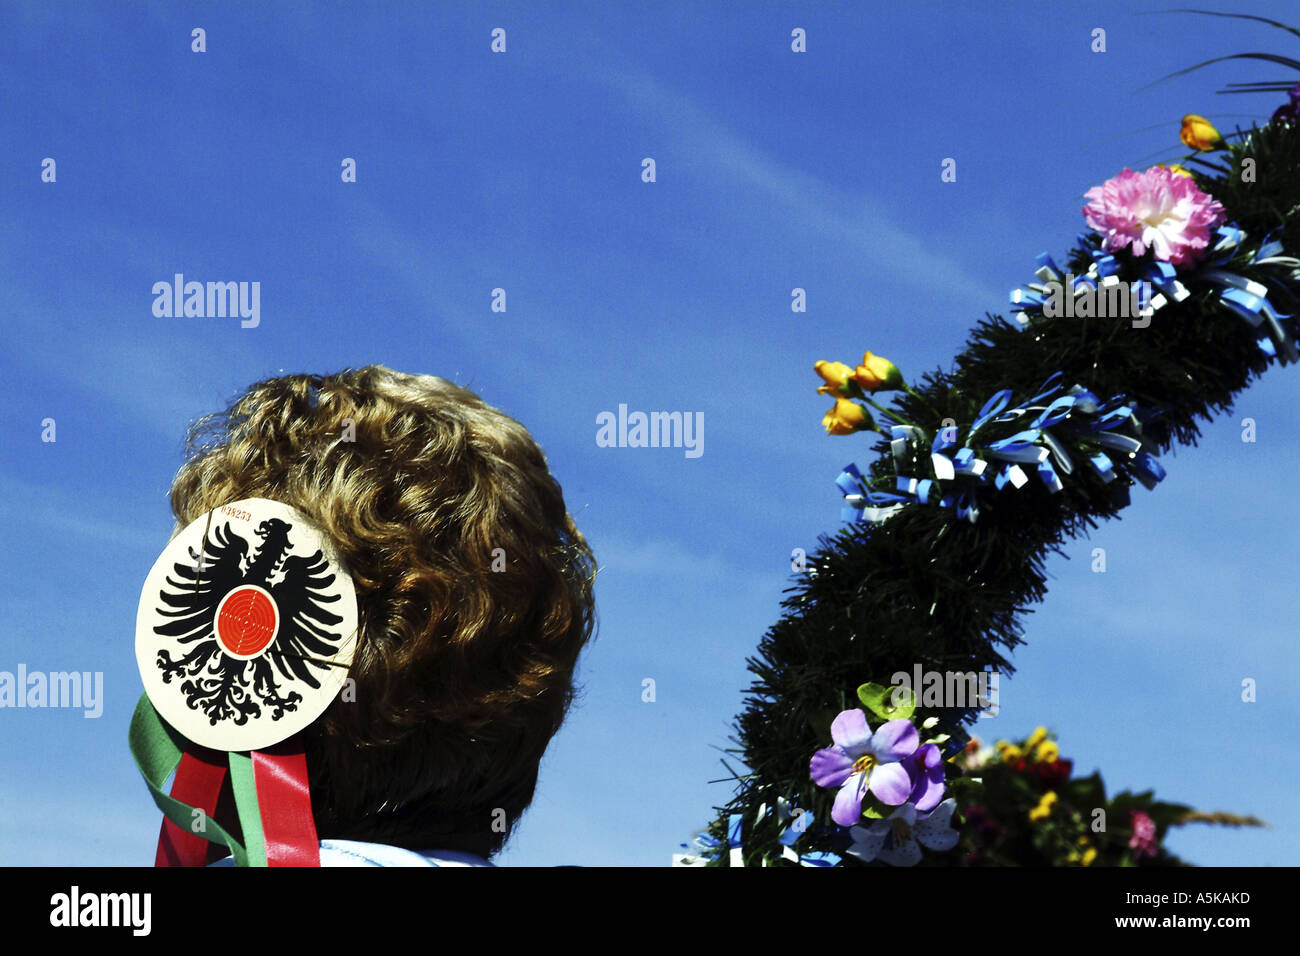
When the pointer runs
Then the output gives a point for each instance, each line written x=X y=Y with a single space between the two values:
x=703 y=848
x=1102 y=273
x=1278 y=333
x=734 y=825
x=792 y=824
x=951 y=474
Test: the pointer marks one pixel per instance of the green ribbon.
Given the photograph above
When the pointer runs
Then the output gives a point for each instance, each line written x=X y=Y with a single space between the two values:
x=157 y=749
x=250 y=817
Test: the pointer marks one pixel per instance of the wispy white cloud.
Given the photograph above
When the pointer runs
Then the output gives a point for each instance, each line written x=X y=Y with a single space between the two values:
x=854 y=219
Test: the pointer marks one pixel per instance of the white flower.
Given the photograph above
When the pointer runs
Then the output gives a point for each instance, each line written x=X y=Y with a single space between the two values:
x=894 y=840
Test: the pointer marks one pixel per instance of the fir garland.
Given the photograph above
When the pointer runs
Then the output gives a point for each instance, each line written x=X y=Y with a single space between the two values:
x=931 y=587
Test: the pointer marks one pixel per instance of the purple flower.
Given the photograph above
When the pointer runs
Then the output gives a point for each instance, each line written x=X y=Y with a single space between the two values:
x=926 y=768
x=860 y=761
x=1289 y=112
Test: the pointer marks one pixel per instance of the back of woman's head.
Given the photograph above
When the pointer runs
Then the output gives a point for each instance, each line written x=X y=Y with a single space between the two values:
x=474 y=592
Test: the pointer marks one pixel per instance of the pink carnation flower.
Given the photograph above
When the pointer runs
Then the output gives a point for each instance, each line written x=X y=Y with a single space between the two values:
x=1157 y=209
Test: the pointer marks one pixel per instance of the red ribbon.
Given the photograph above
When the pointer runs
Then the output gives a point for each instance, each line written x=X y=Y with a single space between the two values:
x=284 y=801
x=199 y=778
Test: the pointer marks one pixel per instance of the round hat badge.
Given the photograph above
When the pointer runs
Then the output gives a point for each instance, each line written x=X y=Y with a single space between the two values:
x=246 y=626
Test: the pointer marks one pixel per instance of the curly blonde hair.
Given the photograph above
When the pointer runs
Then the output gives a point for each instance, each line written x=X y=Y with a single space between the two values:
x=465 y=653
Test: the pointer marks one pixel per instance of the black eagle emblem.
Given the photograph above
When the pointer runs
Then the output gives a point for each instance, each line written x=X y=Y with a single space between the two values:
x=226 y=687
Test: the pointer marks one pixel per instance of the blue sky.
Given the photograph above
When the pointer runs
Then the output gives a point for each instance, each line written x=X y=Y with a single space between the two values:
x=522 y=171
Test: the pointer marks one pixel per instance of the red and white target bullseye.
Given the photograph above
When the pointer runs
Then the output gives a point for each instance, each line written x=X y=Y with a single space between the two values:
x=247 y=621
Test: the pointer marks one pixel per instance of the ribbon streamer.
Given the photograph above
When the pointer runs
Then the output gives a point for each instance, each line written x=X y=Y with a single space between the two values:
x=200 y=776
x=269 y=786
x=157 y=751
x=280 y=779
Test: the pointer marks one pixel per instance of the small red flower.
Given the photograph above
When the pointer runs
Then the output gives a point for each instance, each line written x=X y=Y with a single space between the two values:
x=1052 y=774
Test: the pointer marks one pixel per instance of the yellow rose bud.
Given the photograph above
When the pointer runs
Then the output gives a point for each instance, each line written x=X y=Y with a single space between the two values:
x=1199 y=133
x=838 y=378
x=846 y=417
x=1046 y=752
x=1011 y=752
x=1036 y=738
x=876 y=373
x=1089 y=855
x=1176 y=169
